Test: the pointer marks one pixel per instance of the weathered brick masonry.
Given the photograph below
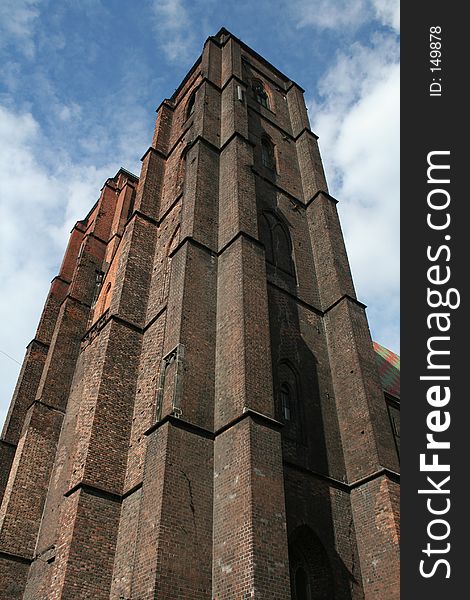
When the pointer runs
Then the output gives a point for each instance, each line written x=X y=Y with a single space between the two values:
x=200 y=414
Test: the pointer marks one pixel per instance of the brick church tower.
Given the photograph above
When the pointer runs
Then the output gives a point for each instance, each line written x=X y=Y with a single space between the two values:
x=200 y=414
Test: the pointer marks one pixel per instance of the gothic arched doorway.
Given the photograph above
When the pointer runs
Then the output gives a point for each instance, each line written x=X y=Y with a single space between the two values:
x=310 y=571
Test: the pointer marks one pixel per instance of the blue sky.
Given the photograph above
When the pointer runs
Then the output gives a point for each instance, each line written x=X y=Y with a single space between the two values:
x=79 y=83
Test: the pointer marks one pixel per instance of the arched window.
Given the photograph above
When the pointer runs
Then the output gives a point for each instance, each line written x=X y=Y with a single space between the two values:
x=266 y=237
x=282 y=249
x=190 y=105
x=310 y=569
x=267 y=154
x=259 y=93
x=289 y=409
x=286 y=401
x=277 y=244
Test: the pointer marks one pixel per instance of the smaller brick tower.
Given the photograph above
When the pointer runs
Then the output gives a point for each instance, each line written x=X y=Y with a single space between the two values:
x=200 y=414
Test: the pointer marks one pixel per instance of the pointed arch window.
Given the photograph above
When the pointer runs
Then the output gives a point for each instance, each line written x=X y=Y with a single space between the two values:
x=260 y=93
x=266 y=238
x=190 y=105
x=282 y=249
x=267 y=154
x=286 y=401
x=289 y=402
x=310 y=568
x=277 y=243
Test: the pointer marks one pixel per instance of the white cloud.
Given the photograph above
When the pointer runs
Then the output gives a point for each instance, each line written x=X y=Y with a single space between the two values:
x=328 y=14
x=67 y=112
x=388 y=12
x=38 y=208
x=357 y=119
x=350 y=14
x=18 y=19
x=174 y=31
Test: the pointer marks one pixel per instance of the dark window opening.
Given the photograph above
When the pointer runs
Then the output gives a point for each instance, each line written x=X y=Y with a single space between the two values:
x=282 y=249
x=266 y=238
x=310 y=569
x=260 y=93
x=267 y=154
x=286 y=402
x=275 y=237
x=289 y=406
x=190 y=105
x=394 y=415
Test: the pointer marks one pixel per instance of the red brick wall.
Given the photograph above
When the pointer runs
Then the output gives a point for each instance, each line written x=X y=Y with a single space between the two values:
x=152 y=456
